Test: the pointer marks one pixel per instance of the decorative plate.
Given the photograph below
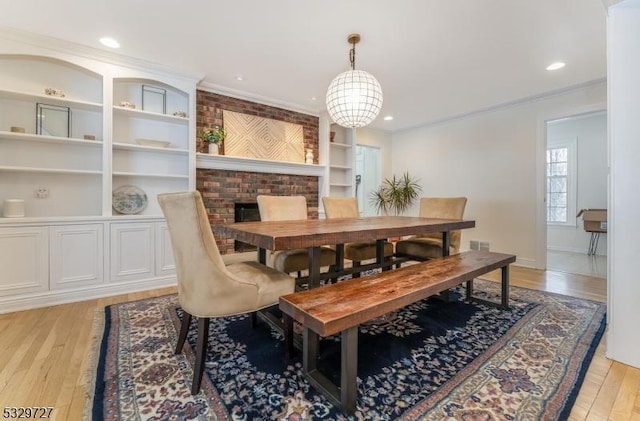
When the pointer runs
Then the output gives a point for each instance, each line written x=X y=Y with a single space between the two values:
x=129 y=200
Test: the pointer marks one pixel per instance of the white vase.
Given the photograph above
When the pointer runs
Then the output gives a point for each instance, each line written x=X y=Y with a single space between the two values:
x=214 y=149
x=309 y=156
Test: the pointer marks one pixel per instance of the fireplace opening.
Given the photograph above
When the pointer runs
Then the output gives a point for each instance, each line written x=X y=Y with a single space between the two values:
x=245 y=212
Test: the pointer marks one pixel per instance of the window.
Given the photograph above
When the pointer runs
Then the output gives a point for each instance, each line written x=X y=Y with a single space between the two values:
x=561 y=182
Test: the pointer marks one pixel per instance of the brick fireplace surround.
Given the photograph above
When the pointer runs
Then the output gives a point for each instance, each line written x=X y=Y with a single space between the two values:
x=221 y=189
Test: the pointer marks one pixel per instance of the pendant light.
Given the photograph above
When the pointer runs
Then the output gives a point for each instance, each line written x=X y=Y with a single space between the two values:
x=354 y=98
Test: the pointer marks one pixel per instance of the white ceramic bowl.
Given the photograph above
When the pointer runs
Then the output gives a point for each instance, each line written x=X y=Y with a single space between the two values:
x=153 y=143
x=13 y=208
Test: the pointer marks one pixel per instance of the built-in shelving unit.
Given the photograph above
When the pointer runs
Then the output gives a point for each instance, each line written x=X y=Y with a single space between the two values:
x=68 y=167
x=341 y=162
x=144 y=166
x=71 y=244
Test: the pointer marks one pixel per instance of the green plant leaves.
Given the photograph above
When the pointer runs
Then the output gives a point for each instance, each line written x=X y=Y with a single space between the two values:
x=396 y=194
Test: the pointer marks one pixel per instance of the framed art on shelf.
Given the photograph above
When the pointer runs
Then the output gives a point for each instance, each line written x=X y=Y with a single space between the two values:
x=53 y=120
x=154 y=99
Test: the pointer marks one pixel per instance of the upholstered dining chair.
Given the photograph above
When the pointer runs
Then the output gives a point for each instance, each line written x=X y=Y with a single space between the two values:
x=206 y=287
x=283 y=208
x=347 y=207
x=429 y=246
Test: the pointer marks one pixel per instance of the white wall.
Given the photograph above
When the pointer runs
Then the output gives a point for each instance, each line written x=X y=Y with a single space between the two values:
x=591 y=133
x=623 y=342
x=495 y=159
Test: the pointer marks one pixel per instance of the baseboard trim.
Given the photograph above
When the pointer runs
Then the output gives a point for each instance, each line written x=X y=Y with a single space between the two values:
x=572 y=250
x=527 y=263
x=50 y=298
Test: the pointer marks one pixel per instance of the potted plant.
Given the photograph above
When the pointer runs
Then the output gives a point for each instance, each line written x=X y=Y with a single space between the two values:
x=214 y=136
x=395 y=195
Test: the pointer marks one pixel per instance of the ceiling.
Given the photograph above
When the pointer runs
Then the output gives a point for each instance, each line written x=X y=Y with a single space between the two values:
x=434 y=59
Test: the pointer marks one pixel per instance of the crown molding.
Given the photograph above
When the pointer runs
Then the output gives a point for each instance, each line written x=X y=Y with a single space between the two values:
x=247 y=96
x=66 y=47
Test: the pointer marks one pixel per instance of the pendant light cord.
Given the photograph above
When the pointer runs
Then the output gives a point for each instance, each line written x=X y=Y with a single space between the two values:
x=352 y=55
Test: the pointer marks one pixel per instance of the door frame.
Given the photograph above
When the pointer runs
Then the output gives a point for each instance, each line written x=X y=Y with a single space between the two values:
x=541 y=170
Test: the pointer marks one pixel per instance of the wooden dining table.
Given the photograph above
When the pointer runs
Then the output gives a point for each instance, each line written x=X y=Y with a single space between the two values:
x=312 y=234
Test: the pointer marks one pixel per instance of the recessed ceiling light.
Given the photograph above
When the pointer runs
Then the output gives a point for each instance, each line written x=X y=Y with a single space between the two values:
x=388 y=118
x=239 y=78
x=556 y=66
x=109 y=42
x=313 y=98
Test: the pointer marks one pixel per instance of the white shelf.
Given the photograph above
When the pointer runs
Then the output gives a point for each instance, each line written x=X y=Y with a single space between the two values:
x=49 y=139
x=149 y=175
x=48 y=170
x=340 y=145
x=339 y=185
x=53 y=100
x=135 y=147
x=340 y=167
x=149 y=115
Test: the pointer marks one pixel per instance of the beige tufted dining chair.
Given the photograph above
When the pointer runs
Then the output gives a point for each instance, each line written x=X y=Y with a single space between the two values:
x=283 y=208
x=429 y=246
x=347 y=207
x=206 y=287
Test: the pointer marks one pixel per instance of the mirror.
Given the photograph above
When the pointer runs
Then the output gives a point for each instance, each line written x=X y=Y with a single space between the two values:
x=53 y=120
x=154 y=99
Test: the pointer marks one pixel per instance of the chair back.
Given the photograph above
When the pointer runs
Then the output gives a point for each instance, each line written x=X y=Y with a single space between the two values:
x=341 y=207
x=205 y=287
x=447 y=208
x=282 y=208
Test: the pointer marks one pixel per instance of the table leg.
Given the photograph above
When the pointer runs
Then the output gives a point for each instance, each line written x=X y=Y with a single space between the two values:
x=446 y=243
x=349 y=370
x=505 y=287
x=339 y=258
x=314 y=267
x=380 y=253
x=262 y=256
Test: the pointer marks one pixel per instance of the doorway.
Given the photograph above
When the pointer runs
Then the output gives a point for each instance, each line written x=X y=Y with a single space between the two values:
x=576 y=178
x=368 y=177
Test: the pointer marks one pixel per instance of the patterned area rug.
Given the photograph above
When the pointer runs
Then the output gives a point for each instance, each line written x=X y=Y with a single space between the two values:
x=431 y=361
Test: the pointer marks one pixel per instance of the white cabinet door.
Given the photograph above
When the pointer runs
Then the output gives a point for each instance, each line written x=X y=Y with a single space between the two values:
x=77 y=255
x=24 y=260
x=165 y=265
x=132 y=251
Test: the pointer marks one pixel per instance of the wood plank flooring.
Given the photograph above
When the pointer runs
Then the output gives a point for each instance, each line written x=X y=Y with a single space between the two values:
x=45 y=353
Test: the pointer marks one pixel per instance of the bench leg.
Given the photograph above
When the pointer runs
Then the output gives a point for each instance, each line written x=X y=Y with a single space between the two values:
x=505 y=287
x=349 y=370
x=287 y=322
x=310 y=344
x=345 y=395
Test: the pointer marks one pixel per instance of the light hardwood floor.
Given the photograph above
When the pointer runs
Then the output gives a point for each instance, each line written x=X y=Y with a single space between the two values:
x=45 y=353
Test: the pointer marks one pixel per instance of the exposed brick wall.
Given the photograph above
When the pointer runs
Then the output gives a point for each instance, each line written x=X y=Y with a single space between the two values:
x=209 y=107
x=221 y=189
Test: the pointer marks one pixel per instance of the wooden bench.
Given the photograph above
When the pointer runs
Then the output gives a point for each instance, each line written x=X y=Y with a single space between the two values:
x=341 y=307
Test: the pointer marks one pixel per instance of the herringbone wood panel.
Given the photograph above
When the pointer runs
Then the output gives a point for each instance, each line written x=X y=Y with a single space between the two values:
x=264 y=138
